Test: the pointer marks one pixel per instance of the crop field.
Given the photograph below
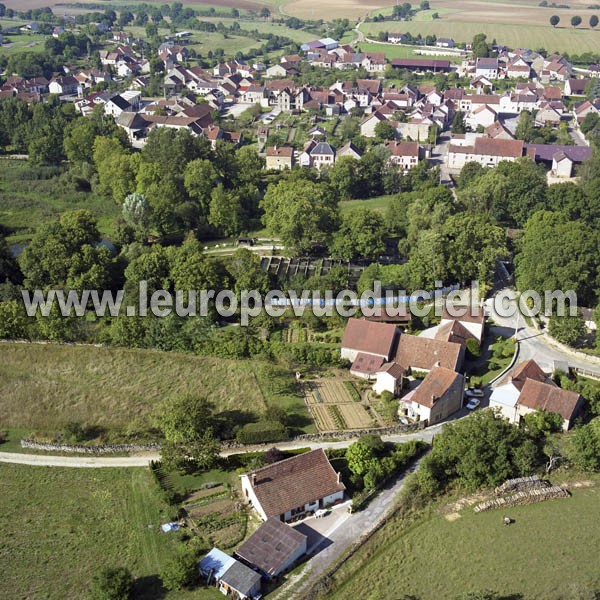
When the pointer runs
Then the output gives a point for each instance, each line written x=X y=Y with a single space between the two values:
x=44 y=386
x=511 y=23
x=333 y=407
x=355 y=416
x=330 y=391
x=549 y=552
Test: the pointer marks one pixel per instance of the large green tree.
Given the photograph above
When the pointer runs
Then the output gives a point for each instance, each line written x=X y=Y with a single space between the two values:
x=558 y=254
x=300 y=212
x=360 y=235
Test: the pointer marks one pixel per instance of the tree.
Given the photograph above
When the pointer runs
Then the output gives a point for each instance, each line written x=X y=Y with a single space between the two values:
x=554 y=20
x=136 y=211
x=525 y=127
x=300 y=212
x=576 y=21
x=360 y=235
x=594 y=21
x=541 y=423
x=112 y=584
x=557 y=254
x=480 y=46
x=9 y=268
x=567 y=329
x=473 y=246
x=13 y=320
x=361 y=457
x=585 y=446
x=225 y=214
x=180 y=572
x=458 y=124
x=244 y=267
x=345 y=178
x=384 y=130
x=184 y=417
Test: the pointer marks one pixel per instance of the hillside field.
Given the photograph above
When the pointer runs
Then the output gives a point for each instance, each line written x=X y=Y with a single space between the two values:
x=550 y=552
x=59 y=526
x=45 y=386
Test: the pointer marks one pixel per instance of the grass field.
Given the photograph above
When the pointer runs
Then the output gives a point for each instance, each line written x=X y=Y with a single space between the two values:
x=378 y=203
x=27 y=202
x=60 y=525
x=22 y=42
x=393 y=51
x=550 y=552
x=44 y=386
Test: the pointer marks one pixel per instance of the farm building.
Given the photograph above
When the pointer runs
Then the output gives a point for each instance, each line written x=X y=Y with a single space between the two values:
x=437 y=397
x=471 y=318
x=273 y=548
x=229 y=575
x=487 y=152
x=368 y=337
x=293 y=487
x=529 y=389
x=389 y=379
x=423 y=354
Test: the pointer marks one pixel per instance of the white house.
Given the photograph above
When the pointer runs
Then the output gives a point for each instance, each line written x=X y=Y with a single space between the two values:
x=389 y=379
x=486 y=151
x=293 y=487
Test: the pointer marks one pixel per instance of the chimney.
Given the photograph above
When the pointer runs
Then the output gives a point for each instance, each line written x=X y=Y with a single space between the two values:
x=437 y=363
x=433 y=399
x=339 y=477
x=253 y=476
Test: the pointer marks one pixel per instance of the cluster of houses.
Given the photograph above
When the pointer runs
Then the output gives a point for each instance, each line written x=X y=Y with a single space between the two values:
x=384 y=355
x=280 y=493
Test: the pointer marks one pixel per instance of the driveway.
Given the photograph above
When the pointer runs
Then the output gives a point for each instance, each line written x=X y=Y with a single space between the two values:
x=352 y=529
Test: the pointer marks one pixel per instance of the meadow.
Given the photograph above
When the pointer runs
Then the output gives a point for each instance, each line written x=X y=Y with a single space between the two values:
x=393 y=51
x=59 y=526
x=548 y=553
x=30 y=197
x=45 y=386
x=378 y=203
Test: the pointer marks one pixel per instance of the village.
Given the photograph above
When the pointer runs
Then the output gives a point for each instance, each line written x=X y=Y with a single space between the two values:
x=414 y=122
x=301 y=437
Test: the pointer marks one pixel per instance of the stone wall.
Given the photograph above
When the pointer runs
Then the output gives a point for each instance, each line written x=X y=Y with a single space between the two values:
x=79 y=449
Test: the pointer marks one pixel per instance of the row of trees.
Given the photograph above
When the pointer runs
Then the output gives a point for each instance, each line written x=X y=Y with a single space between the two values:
x=576 y=21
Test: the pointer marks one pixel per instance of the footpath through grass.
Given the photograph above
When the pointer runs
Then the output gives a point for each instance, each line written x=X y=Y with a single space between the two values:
x=550 y=552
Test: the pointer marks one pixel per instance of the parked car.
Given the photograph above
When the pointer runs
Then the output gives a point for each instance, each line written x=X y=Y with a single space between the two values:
x=474 y=393
x=473 y=403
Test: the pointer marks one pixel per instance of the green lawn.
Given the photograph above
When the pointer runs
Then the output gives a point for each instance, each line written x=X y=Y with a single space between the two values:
x=379 y=204
x=59 y=526
x=393 y=51
x=44 y=386
x=27 y=202
x=23 y=42
x=550 y=552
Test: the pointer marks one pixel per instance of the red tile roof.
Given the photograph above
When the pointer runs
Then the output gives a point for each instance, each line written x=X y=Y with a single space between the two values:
x=369 y=337
x=434 y=386
x=424 y=353
x=541 y=396
x=366 y=364
x=295 y=481
x=522 y=372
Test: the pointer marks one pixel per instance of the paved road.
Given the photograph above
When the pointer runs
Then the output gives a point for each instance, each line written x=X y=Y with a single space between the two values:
x=536 y=344
x=143 y=460
x=351 y=531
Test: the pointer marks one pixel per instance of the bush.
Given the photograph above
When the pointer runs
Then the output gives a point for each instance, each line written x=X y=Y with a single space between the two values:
x=473 y=348
x=262 y=432
x=180 y=572
x=111 y=584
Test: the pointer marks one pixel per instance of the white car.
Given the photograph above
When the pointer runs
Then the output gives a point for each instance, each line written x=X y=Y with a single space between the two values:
x=473 y=404
x=474 y=393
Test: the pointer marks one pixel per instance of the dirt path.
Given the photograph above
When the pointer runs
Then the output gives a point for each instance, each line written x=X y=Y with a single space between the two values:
x=143 y=460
